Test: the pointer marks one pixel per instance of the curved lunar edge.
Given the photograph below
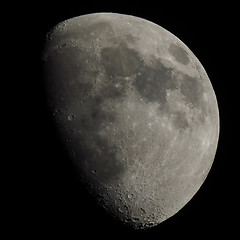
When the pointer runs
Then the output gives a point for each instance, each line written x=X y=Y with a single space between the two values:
x=136 y=112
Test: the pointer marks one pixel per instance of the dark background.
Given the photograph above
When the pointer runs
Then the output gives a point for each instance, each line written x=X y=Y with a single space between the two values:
x=56 y=203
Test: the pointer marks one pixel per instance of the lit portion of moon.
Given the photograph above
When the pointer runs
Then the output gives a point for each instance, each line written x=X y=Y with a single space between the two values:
x=136 y=112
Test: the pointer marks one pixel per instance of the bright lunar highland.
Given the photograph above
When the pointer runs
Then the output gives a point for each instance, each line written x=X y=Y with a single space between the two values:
x=135 y=111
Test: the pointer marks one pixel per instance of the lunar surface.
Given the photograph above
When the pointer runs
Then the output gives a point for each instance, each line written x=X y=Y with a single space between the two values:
x=136 y=112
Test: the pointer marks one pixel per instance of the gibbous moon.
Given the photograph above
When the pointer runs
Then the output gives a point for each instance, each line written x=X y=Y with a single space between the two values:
x=136 y=112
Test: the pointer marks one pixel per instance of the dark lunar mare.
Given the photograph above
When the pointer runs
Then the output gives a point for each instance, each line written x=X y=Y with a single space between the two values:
x=152 y=83
x=179 y=54
x=120 y=60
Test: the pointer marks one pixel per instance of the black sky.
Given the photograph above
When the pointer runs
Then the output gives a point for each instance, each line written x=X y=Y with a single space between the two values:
x=58 y=207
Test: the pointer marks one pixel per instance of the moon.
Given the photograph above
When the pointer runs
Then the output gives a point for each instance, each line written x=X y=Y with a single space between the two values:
x=135 y=111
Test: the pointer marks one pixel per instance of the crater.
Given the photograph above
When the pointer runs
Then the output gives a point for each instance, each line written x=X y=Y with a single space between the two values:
x=121 y=60
x=179 y=54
